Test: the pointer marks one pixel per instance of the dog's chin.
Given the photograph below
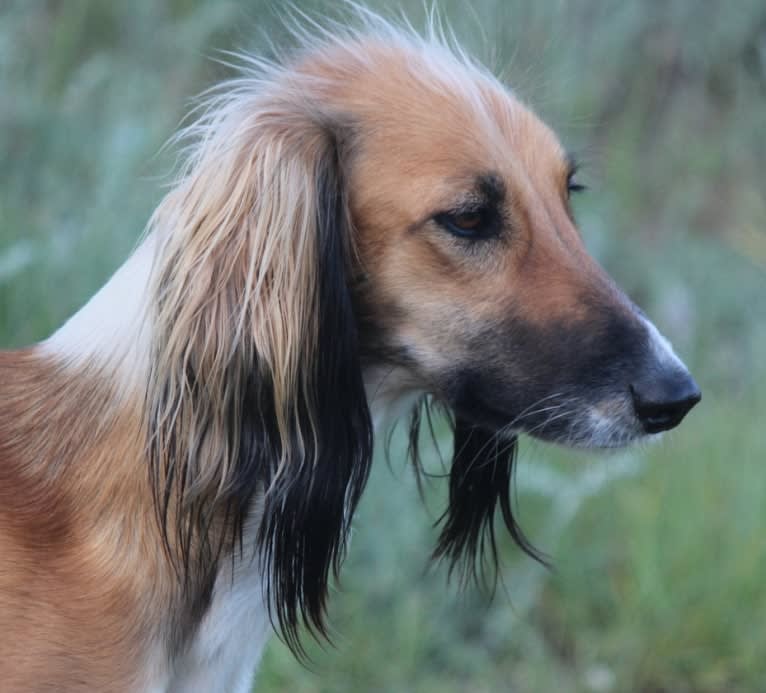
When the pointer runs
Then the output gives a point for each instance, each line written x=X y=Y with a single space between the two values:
x=592 y=430
x=581 y=435
x=586 y=429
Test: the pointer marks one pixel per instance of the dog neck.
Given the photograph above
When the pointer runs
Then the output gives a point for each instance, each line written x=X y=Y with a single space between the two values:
x=111 y=333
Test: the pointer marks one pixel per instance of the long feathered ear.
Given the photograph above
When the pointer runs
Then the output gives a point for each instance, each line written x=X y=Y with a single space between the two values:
x=256 y=401
x=308 y=512
x=480 y=480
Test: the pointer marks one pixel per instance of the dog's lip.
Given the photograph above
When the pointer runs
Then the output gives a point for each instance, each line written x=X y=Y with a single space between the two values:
x=490 y=417
x=494 y=419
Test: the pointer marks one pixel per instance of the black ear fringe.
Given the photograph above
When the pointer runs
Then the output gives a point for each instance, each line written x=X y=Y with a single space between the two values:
x=308 y=503
x=309 y=509
x=480 y=479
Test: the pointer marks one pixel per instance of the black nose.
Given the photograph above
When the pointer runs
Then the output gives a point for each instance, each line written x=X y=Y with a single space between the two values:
x=662 y=400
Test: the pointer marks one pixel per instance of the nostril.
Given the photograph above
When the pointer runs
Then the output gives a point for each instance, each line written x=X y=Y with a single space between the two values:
x=662 y=405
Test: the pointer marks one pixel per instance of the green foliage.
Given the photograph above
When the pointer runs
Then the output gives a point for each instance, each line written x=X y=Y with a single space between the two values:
x=661 y=565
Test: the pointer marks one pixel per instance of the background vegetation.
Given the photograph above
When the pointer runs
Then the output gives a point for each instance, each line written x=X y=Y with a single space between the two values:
x=660 y=581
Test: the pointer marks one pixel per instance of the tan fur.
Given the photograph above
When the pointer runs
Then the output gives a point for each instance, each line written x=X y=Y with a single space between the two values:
x=438 y=131
x=76 y=613
x=86 y=592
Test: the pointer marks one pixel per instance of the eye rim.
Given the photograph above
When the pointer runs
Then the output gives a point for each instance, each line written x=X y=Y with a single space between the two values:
x=484 y=228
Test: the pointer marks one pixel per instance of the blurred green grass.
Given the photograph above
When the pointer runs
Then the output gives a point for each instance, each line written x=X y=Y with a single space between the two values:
x=660 y=581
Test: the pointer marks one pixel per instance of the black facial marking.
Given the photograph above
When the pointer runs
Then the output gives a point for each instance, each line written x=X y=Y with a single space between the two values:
x=492 y=188
x=525 y=369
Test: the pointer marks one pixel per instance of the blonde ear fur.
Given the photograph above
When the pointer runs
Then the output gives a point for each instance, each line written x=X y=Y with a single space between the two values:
x=255 y=385
x=238 y=272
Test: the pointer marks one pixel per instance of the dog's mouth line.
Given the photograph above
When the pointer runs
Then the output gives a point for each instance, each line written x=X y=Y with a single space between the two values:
x=565 y=423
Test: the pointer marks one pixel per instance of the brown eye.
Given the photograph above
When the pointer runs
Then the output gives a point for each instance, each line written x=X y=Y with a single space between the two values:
x=474 y=224
x=467 y=222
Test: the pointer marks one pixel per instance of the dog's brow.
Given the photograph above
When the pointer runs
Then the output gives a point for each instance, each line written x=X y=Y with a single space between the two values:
x=492 y=187
x=488 y=190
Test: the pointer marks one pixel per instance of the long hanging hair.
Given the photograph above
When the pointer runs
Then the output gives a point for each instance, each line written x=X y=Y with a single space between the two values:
x=256 y=403
x=256 y=400
x=480 y=479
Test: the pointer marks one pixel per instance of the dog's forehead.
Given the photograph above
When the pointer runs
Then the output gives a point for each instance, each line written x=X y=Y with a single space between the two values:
x=427 y=111
x=429 y=124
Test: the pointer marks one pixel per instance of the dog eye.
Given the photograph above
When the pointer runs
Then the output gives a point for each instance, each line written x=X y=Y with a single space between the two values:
x=573 y=186
x=469 y=224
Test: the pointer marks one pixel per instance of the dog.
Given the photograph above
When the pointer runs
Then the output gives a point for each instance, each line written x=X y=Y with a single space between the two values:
x=372 y=221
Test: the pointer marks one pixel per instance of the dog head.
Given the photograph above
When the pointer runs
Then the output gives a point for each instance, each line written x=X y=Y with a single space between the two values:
x=379 y=205
x=472 y=277
x=472 y=283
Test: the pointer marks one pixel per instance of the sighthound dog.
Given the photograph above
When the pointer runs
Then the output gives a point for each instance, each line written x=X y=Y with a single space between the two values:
x=373 y=221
